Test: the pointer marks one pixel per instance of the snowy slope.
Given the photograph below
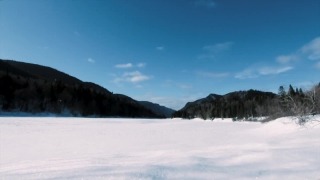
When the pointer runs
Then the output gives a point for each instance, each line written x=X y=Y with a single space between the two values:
x=81 y=148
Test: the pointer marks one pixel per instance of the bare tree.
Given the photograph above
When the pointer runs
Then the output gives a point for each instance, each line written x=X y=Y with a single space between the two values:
x=302 y=106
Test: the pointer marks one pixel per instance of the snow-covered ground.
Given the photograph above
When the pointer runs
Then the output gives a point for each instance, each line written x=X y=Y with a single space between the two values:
x=84 y=148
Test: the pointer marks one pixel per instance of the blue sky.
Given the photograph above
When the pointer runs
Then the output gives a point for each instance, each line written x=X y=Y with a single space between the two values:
x=168 y=51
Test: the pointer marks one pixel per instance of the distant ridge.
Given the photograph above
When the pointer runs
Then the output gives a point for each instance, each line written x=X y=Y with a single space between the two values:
x=158 y=109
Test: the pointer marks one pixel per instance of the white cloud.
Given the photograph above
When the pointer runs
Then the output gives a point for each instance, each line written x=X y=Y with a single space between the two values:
x=124 y=66
x=132 y=77
x=246 y=74
x=211 y=51
x=141 y=65
x=205 y=3
x=90 y=60
x=160 y=48
x=274 y=70
x=213 y=74
x=218 y=47
x=285 y=59
x=309 y=51
x=262 y=71
x=135 y=77
x=312 y=49
x=130 y=65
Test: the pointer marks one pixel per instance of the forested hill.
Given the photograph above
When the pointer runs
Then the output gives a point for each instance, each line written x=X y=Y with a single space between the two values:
x=252 y=103
x=33 y=88
x=238 y=104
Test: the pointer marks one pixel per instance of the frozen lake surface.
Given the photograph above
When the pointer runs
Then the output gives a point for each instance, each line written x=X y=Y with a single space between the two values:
x=85 y=148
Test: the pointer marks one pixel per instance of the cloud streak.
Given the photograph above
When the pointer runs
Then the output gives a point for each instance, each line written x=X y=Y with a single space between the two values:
x=285 y=59
x=312 y=49
x=160 y=48
x=309 y=51
x=123 y=66
x=274 y=70
x=90 y=60
x=141 y=65
x=211 y=51
x=132 y=77
x=262 y=71
x=130 y=65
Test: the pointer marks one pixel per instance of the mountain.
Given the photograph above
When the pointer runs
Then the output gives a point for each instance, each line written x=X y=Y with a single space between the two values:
x=27 y=87
x=239 y=104
x=158 y=109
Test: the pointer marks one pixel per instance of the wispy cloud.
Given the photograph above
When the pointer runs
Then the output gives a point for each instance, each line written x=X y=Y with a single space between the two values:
x=219 y=47
x=312 y=49
x=130 y=65
x=132 y=77
x=123 y=66
x=213 y=74
x=285 y=59
x=211 y=51
x=274 y=70
x=90 y=60
x=309 y=51
x=141 y=65
x=160 y=48
x=246 y=74
x=262 y=71
x=205 y=3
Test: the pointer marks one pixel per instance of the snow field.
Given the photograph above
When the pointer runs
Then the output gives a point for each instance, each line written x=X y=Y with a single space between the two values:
x=89 y=148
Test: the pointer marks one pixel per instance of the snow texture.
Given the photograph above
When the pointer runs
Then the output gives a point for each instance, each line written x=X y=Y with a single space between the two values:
x=90 y=148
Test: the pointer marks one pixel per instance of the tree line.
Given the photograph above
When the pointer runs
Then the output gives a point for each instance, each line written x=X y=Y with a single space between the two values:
x=250 y=104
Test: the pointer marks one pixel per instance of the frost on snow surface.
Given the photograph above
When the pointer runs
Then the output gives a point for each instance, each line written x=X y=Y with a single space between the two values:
x=84 y=148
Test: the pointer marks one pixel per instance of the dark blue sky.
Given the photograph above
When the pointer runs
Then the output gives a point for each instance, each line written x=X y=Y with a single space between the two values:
x=168 y=51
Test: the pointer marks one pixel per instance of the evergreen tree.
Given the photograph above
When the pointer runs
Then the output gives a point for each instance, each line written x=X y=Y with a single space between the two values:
x=301 y=92
x=282 y=92
x=297 y=91
x=291 y=91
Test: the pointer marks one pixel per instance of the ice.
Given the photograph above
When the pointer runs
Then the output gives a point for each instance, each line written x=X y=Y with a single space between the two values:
x=102 y=148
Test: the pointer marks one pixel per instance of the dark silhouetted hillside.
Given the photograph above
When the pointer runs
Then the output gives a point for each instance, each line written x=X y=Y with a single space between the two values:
x=27 y=87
